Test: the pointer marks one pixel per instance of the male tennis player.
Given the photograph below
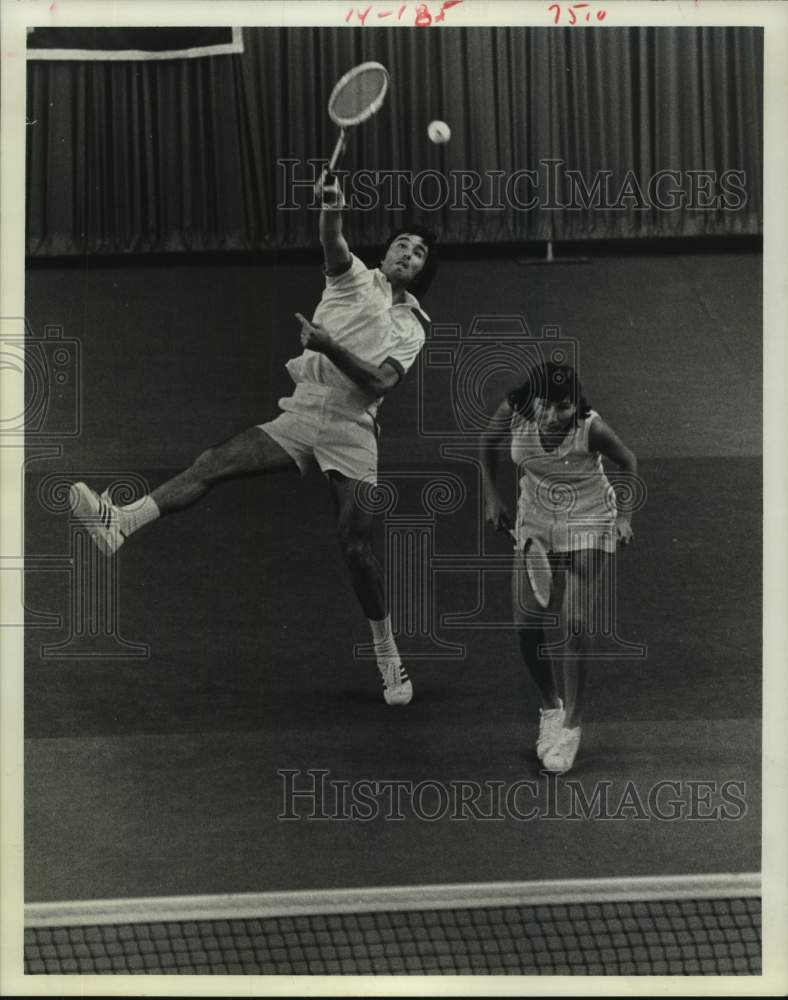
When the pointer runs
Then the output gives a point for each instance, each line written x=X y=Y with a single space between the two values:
x=365 y=334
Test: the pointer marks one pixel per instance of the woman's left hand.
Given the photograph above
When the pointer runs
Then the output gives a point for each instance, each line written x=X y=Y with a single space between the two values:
x=624 y=533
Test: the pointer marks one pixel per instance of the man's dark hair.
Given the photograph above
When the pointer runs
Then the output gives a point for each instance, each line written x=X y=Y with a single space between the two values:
x=553 y=383
x=421 y=283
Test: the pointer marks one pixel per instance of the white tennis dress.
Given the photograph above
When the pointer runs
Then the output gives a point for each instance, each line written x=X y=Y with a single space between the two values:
x=329 y=419
x=565 y=499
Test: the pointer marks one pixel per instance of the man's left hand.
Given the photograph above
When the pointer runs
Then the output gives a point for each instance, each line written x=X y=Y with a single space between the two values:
x=313 y=336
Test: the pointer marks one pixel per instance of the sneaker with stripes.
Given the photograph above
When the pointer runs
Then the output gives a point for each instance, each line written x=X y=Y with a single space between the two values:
x=99 y=516
x=397 y=688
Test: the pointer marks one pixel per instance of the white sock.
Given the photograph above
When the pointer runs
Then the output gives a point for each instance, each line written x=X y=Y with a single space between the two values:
x=383 y=640
x=136 y=515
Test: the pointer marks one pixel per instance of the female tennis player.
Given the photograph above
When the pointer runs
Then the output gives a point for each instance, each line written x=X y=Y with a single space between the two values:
x=567 y=509
x=364 y=335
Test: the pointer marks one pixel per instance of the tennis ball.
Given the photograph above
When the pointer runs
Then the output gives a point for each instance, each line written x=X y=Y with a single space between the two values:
x=438 y=132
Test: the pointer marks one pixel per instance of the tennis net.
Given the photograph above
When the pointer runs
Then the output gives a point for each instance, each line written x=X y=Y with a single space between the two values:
x=680 y=926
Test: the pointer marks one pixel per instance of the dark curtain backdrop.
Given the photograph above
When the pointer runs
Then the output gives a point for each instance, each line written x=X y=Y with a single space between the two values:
x=182 y=155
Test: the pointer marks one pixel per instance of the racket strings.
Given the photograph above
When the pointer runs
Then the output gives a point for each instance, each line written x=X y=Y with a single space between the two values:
x=540 y=572
x=358 y=96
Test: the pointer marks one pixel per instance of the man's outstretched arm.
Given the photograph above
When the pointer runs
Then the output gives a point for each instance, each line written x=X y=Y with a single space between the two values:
x=336 y=252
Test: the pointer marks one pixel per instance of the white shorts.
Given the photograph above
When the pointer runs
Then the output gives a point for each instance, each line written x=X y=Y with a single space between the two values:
x=323 y=425
x=565 y=534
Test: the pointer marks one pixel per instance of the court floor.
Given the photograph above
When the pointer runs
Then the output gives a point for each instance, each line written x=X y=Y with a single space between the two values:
x=162 y=774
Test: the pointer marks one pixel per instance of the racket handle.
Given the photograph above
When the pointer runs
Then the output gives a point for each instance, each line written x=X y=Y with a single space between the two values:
x=339 y=149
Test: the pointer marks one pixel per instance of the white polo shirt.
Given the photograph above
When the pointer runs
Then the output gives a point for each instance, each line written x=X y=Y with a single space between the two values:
x=356 y=309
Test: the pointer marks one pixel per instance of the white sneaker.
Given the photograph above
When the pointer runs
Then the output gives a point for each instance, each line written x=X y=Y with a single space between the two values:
x=559 y=759
x=397 y=689
x=551 y=722
x=99 y=516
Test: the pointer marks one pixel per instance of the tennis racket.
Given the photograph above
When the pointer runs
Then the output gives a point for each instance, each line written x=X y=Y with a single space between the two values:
x=357 y=96
x=537 y=565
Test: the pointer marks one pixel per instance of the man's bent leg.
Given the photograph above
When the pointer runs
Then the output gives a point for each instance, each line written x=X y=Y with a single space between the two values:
x=354 y=526
x=250 y=453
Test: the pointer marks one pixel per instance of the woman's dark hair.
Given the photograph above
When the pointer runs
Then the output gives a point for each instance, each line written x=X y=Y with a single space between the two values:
x=553 y=383
x=421 y=283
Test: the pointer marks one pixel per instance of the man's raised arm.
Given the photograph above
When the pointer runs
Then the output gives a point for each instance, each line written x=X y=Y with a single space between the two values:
x=336 y=252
